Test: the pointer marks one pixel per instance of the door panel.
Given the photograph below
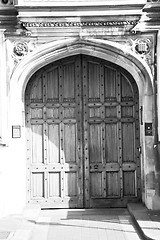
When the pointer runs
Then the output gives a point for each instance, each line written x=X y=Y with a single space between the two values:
x=54 y=186
x=111 y=143
x=37 y=144
x=110 y=137
x=128 y=142
x=113 y=186
x=95 y=143
x=82 y=135
x=53 y=143
x=52 y=84
x=54 y=135
x=109 y=81
x=96 y=182
x=70 y=146
x=38 y=185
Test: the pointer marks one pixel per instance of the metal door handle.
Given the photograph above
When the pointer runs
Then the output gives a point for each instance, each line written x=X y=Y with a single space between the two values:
x=96 y=167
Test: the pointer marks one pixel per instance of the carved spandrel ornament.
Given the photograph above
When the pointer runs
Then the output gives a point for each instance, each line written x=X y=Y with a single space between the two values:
x=21 y=48
x=144 y=48
x=6 y=2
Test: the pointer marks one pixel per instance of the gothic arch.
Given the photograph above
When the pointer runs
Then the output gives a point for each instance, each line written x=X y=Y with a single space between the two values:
x=103 y=49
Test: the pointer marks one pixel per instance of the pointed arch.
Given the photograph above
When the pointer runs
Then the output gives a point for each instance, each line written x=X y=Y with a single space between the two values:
x=113 y=52
x=103 y=49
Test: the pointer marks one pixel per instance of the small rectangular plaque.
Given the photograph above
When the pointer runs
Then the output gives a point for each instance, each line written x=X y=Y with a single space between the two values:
x=148 y=129
x=16 y=131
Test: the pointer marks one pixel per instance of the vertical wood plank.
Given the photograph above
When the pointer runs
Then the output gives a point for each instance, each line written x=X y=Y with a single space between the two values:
x=93 y=80
x=113 y=186
x=37 y=184
x=128 y=144
x=68 y=81
x=36 y=93
x=96 y=184
x=110 y=83
x=120 y=137
x=37 y=143
x=95 y=141
x=111 y=146
x=129 y=183
x=70 y=184
x=53 y=143
x=52 y=84
x=54 y=184
x=126 y=88
x=86 y=135
x=70 y=142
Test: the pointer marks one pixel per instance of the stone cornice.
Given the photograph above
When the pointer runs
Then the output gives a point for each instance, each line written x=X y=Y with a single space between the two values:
x=48 y=9
x=150 y=19
x=152 y=7
x=8 y=16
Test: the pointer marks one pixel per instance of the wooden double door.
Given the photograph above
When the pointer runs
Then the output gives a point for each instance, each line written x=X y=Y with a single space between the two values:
x=82 y=130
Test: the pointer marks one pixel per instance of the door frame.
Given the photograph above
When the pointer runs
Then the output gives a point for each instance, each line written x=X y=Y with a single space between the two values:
x=112 y=52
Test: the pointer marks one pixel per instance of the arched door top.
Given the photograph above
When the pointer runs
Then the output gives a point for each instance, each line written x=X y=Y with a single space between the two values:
x=104 y=49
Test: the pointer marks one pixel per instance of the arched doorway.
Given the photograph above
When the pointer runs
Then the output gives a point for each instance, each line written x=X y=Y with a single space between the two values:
x=82 y=121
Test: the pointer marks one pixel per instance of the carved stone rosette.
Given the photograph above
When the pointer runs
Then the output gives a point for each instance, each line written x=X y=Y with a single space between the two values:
x=6 y=2
x=21 y=48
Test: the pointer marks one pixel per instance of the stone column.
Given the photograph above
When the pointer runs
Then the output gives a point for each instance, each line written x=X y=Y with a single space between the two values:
x=158 y=82
x=3 y=120
x=156 y=197
x=3 y=93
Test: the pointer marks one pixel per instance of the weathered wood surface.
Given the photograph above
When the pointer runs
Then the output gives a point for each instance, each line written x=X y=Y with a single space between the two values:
x=82 y=130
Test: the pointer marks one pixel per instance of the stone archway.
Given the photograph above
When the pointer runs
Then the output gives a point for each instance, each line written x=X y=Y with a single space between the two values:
x=106 y=50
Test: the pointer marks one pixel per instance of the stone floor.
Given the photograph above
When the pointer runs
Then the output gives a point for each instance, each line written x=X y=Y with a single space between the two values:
x=90 y=224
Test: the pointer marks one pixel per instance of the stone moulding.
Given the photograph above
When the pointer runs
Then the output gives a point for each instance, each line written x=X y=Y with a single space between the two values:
x=141 y=46
x=77 y=24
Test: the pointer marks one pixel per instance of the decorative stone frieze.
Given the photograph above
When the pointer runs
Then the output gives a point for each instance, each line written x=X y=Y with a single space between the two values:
x=153 y=1
x=77 y=2
x=77 y=24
